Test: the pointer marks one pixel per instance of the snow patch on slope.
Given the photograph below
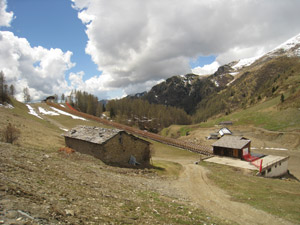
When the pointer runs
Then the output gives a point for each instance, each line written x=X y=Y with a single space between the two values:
x=216 y=83
x=67 y=114
x=7 y=106
x=33 y=112
x=45 y=112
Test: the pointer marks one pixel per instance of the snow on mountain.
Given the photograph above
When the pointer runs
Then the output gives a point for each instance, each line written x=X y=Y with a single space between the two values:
x=289 y=44
x=290 y=48
x=245 y=62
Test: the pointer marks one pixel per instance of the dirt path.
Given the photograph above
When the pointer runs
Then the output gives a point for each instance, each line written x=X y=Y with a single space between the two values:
x=195 y=184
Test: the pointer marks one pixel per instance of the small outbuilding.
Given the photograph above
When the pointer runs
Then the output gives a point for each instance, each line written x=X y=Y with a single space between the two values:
x=112 y=146
x=232 y=146
x=50 y=99
x=213 y=136
x=224 y=131
x=274 y=166
x=226 y=123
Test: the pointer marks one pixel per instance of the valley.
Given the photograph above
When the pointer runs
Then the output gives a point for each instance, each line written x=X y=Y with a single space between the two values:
x=41 y=185
x=149 y=112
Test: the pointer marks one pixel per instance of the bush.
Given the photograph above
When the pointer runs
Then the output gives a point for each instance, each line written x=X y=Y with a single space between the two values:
x=11 y=134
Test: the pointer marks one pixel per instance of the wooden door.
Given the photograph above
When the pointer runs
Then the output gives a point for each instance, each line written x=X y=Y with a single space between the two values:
x=235 y=153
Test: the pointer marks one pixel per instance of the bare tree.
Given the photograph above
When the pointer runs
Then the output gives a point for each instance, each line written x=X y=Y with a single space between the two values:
x=55 y=98
x=62 y=98
x=26 y=95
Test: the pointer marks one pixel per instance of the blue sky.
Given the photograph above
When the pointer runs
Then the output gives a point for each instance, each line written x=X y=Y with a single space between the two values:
x=202 y=60
x=126 y=47
x=53 y=24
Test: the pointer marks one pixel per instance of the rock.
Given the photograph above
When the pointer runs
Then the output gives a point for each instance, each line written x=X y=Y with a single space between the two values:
x=69 y=212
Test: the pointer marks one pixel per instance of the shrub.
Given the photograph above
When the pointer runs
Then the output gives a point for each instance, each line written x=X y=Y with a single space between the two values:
x=282 y=98
x=11 y=134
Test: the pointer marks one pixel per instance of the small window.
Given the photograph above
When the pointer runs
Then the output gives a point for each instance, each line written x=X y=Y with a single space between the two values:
x=280 y=164
x=275 y=165
x=269 y=170
x=120 y=139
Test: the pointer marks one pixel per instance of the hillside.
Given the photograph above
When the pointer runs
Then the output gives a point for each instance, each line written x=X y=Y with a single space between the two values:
x=41 y=185
x=279 y=76
x=235 y=86
x=181 y=91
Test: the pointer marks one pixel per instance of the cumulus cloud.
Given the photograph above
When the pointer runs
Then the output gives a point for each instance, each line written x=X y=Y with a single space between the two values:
x=138 y=43
x=41 y=70
x=5 y=17
x=206 y=69
x=135 y=41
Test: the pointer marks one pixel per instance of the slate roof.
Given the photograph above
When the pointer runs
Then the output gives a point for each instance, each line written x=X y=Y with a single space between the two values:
x=235 y=142
x=97 y=135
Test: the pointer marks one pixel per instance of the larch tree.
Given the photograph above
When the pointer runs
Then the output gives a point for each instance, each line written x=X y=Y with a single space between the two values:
x=26 y=95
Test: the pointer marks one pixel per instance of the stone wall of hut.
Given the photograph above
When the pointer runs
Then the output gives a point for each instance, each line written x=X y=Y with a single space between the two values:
x=122 y=146
x=115 y=151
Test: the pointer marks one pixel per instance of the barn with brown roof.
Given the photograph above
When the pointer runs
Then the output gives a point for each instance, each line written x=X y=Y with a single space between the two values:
x=232 y=146
x=112 y=146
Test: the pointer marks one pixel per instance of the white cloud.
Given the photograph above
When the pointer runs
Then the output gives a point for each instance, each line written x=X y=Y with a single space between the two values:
x=137 y=43
x=5 y=17
x=134 y=42
x=76 y=79
x=41 y=70
x=206 y=69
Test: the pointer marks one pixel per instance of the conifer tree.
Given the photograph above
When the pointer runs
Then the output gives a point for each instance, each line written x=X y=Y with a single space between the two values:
x=12 y=90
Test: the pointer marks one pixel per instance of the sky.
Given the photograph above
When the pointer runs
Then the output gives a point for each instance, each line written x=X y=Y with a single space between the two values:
x=115 y=48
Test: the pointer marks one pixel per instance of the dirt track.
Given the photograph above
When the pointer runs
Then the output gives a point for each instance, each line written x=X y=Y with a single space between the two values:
x=194 y=183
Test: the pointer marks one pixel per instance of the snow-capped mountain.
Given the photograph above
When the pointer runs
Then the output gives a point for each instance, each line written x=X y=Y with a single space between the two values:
x=289 y=48
x=244 y=81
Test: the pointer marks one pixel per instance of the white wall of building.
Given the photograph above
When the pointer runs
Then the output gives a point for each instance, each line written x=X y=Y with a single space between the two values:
x=277 y=169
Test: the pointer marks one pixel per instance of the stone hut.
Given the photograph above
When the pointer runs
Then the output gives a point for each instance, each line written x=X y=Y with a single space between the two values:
x=112 y=146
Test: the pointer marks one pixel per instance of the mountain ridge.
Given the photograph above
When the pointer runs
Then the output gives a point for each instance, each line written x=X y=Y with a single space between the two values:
x=236 y=80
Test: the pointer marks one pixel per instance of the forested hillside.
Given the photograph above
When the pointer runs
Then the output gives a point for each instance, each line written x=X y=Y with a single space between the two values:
x=87 y=103
x=146 y=116
x=184 y=92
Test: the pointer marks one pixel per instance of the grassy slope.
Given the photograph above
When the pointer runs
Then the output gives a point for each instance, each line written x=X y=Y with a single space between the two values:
x=266 y=115
x=278 y=197
x=45 y=183
x=137 y=203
